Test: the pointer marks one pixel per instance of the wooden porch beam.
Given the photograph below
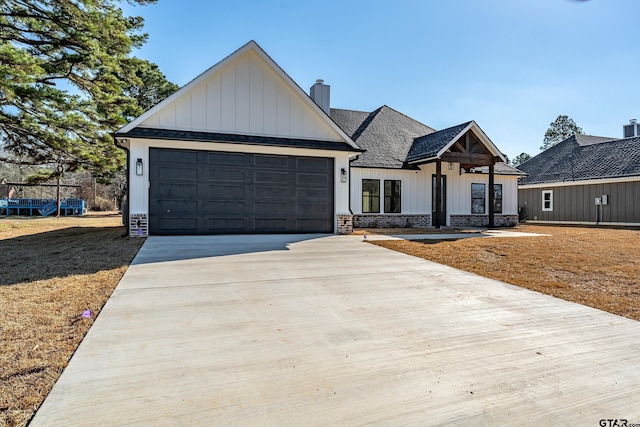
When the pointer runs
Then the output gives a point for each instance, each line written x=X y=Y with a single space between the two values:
x=474 y=159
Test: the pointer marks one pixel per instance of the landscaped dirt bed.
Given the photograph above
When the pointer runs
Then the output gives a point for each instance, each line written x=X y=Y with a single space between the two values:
x=597 y=267
x=52 y=270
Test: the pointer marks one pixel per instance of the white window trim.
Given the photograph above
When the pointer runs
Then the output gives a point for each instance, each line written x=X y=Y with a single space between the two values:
x=550 y=208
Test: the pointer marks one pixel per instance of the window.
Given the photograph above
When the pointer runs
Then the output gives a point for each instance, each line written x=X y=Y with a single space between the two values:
x=478 y=197
x=497 y=198
x=392 y=192
x=370 y=196
x=547 y=200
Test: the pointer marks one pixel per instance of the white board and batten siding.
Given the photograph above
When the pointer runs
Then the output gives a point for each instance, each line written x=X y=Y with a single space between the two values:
x=244 y=97
x=416 y=189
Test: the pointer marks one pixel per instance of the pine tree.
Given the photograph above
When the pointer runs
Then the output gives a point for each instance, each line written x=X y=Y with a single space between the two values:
x=560 y=129
x=65 y=68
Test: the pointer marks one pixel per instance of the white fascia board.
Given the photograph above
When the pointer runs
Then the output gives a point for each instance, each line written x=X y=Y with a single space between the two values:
x=585 y=182
x=252 y=45
x=479 y=133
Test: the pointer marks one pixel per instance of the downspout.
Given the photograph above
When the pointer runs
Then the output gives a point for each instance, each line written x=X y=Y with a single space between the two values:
x=125 y=212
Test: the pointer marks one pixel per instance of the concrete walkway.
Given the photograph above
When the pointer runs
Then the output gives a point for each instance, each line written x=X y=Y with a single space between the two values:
x=330 y=330
x=453 y=235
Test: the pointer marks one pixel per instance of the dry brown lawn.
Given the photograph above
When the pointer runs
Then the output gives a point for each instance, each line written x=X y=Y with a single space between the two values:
x=591 y=266
x=52 y=270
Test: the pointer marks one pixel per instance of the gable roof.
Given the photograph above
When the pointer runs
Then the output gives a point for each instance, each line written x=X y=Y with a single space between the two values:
x=573 y=160
x=247 y=60
x=436 y=144
x=386 y=134
x=429 y=146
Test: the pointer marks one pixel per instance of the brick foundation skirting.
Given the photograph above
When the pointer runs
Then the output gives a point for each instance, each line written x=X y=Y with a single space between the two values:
x=345 y=224
x=391 y=221
x=483 y=220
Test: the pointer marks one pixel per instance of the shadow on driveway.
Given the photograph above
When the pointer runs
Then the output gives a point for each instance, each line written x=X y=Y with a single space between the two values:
x=179 y=248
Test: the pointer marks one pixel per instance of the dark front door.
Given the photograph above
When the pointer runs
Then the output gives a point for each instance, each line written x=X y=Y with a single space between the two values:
x=211 y=192
x=439 y=216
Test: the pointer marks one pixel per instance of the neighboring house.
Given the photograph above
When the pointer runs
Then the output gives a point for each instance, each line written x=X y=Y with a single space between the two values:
x=243 y=149
x=584 y=180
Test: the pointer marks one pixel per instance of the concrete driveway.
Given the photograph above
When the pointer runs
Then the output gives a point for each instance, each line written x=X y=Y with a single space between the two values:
x=330 y=330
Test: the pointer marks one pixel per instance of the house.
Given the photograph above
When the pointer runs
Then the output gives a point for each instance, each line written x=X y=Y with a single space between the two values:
x=243 y=149
x=584 y=180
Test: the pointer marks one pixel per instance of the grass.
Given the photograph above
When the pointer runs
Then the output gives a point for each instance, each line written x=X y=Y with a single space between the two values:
x=52 y=271
x=591 y=266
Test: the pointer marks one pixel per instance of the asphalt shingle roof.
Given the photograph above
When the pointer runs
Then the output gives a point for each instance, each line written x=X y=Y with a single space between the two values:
x=385 y=133
x=578 y=158
x=429 y=145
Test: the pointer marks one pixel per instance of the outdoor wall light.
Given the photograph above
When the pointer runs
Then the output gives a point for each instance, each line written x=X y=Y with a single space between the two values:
x=343 y=175
x=139 y=167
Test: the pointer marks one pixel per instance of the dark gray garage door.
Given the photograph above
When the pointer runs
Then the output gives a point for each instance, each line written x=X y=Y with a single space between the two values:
x=209 y=192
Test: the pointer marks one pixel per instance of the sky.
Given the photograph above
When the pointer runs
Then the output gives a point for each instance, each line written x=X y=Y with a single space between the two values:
x=512 y=66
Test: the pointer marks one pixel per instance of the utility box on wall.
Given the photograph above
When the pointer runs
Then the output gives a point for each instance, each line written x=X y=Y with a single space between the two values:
x=138 y=225
x=605 y=199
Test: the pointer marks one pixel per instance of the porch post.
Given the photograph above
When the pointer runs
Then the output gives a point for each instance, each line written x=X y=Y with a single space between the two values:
x=491 y=196
x=437 y=220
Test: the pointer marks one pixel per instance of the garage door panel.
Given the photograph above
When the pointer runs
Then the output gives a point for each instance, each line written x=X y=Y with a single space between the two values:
x=267 y=177
x=264 y=192
x=229 y=160
x=271 y=207
x=175 y=191
x=226 y=225
x=172 y=173
x=312 y=194
x=272 y=162
x=176 y=156
x=227 y=208
x=271 y=225
x=217 y=192
x=226 y=175
x=313 y=210
x=176 y=207
x=172 y=225
x=226 y=191
x=312 y=180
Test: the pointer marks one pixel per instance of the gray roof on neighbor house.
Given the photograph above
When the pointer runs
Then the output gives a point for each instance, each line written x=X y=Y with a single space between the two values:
x=582 y=157
x=386 y=134
x=429 y=145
